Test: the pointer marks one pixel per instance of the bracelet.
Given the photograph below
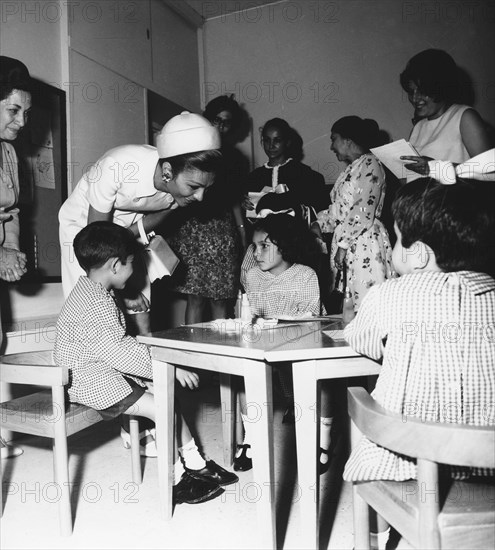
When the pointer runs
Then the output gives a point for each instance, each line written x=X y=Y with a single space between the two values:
x=241 y=225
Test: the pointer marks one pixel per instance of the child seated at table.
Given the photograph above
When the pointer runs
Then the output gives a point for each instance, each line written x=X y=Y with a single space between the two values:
x=111 y=371
x=432 y=326
x=281 y=283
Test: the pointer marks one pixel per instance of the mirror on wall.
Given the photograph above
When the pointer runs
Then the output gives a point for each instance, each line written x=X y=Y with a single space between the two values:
x=42 y=152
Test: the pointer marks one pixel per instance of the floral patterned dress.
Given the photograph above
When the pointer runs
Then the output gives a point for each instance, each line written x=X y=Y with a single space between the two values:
x=353 y=218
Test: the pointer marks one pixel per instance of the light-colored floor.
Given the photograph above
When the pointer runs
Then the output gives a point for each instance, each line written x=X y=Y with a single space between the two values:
x=111 y=512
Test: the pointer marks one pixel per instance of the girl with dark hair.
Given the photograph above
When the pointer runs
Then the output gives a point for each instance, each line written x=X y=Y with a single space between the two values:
x=360 y=240
x=446 y=130
x=210 y=237
x=280 y=283
x=283 y=171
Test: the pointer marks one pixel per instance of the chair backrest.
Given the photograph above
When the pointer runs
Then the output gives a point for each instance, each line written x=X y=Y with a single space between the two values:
x=447 y=443
x=35 y=368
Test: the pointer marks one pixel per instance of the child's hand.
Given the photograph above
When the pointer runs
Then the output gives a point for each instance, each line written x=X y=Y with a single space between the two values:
x=137 y=305
x=187 y=378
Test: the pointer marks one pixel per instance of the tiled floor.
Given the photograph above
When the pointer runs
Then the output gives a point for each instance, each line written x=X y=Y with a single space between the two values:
x=111 y=512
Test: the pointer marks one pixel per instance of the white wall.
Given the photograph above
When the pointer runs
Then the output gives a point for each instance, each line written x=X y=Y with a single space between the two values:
x=312 y=67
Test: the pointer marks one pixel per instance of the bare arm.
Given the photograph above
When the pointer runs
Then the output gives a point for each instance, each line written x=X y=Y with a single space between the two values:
x=473 y=133
x=239 y=221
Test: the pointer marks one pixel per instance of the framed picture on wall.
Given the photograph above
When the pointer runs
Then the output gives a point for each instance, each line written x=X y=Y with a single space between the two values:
x=42 y=152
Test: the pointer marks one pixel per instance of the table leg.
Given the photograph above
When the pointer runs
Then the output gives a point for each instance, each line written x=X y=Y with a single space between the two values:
x=307 y=425
x=164 y=389
x=228 y=418
x=258 y=382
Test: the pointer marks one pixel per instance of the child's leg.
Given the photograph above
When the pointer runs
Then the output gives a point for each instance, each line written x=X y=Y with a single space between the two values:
x=327 y=413
x=243 y=460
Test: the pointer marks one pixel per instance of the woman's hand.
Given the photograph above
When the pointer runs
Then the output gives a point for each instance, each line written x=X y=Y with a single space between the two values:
x=418 y=164
x=4 y=216
x=340 y=258
x=187 y=378
x=140 y=304
x=12 y=264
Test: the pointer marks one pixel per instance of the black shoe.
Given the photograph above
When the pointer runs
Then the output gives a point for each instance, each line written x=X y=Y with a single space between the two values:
x=242 y=463
x=213 y=472
x=192 y=490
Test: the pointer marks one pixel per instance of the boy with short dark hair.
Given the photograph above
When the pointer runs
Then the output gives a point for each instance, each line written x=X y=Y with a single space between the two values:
x=111 y=371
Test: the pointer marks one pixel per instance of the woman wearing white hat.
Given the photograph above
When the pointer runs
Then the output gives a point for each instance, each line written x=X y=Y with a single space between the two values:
x=141 y=183
x=133 y=183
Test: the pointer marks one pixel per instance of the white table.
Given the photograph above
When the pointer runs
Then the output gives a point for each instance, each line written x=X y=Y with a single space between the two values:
x=251 y=353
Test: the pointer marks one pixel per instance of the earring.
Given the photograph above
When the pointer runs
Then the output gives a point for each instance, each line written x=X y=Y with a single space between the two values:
x=166 y=178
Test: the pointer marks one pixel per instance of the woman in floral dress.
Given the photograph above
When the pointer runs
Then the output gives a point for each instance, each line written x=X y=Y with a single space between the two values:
x=360 y=240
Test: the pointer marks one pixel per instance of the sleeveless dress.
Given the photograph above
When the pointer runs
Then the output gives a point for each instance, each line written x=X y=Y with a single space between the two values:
x=440 y=138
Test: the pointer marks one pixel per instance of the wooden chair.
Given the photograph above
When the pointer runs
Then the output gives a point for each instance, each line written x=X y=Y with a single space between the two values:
x=46 y=413
x=429 y=512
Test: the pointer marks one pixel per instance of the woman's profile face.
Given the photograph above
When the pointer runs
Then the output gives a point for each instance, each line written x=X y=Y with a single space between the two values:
x=275 y=144
x=424 y=105
x=339 y=146
x=188 y=186
x=14 y=111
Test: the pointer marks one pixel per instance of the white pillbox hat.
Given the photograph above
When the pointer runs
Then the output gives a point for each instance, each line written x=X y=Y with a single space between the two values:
x=187 y=133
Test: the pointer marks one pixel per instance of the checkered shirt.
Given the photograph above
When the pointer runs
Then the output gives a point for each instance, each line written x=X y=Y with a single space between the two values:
x=91 y=340
x=293 y=292
x=436 y=334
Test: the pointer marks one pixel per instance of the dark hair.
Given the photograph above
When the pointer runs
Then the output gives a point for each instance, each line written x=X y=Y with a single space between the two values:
x=14 y=75
x=205 y=161
x=363 y=132
x=297 y=244
x=224 y=103
x=456 y=221
x=96 y=243
x=435 y=73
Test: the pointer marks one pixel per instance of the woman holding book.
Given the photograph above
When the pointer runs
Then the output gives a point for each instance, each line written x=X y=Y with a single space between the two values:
x=446 y=130
x=360 y=241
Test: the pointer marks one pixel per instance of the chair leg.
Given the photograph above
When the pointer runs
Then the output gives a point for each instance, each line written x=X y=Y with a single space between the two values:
x=361 y=521
x=135 y=456
x=61 y=462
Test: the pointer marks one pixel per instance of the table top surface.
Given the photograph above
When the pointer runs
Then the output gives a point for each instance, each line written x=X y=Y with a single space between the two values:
x=284 y=342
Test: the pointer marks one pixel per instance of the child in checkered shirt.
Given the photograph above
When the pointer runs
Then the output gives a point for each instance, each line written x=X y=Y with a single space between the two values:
x=281 y=283
x=111 y=371
x=432 y=326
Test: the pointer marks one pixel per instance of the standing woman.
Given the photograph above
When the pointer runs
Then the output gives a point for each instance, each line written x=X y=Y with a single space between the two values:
x=133 y=185
x=360 y=240
x=15 y=102
x=212 y=238
x=446 y=130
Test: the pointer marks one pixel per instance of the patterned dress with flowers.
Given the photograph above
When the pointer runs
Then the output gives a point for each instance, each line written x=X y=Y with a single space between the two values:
x=353 y=218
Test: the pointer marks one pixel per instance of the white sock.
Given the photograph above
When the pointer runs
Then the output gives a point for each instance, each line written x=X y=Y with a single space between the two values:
x=379 y=540
x=178 y=471
x=191 y=455
x=325 y=435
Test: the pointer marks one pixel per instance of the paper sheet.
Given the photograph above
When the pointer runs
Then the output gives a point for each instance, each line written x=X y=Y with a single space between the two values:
x=390 y=154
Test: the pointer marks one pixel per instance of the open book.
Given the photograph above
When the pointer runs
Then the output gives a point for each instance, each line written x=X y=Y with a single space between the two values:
x=390 y=154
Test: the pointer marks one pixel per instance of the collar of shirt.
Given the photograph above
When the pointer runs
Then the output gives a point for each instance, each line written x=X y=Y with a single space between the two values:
x=147 y=188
